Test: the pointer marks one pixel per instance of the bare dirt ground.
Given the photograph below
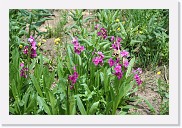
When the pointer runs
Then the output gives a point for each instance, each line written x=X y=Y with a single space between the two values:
x=148 y=91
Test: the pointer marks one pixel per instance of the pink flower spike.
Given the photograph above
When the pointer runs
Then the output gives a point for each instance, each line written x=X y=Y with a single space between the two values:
x=119 y=39
x=126 y=63
x=96 y=26
x=117 y=68
x=75 y=41
x=124 y=53
x=139 y=70
x=21 y=64
x=137 y=78
x=117 y=60
x=101 y=55
x=74 y=68
x=99 y=33
x=112 y=38
x=111 y=62
x=96 y=60
x=82 y=48
x=119 y=75
x=31 y=39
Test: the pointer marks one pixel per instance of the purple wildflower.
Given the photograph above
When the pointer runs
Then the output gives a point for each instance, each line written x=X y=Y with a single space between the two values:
x=112 y=38
x=33 y=44
x=119 y=75
x=137 y=78
x=111 y=62
x=21 y=64
x=101 y=55
x=77 y=47
x=33 y=53
x=119 y=39
x=23 y=71
x=96 y=60
x=137 y=71
x=99 y=59
x=116 y=45
x=96 y=26
x=73 y=78
x=31 y=39
x=102 y=33
x=125 y=63
x=124 y=53
x=117 y=60
x=25 y=50
x=75 y=41
x=117 y=68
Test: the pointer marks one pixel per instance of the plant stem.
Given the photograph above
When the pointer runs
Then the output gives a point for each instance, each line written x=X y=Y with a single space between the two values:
x=67 y=101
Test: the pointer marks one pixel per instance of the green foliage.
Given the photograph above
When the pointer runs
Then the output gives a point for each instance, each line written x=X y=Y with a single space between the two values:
x=163 y=90
x=97 y=91
x=144 y=32
x=24 y=23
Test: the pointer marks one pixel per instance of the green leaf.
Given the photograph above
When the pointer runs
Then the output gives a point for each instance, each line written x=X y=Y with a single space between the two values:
x=122 y=29
x=144 y=48
x=79 y=59
x=133 y=42
x=130 y=67
x=43 y=104
x=80 y=106
x=36 y=84
x=93 y=108
x=26 y=97
x=32 y=65
x=152 y=109
x=53 y=102
x=85 y=41
x=41 y=21
x=88 y=18
x=31 y=104
x=12 y=110
x=72 y=105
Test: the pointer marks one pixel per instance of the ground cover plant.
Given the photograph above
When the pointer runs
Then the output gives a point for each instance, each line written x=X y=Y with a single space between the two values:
x=88 y=62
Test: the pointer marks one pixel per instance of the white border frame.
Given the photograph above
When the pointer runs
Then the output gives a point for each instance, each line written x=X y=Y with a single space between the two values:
x=171 y=119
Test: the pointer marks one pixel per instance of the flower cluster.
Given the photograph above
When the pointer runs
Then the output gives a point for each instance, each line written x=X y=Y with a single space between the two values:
x=96 y=26
x=118 y=71
x=124 y=54
x=125 y=62
x=32 y=42
x=102 y=33
x=25 y=50
x=138 y=80
x=117 y=67
x=73 y=78
x=33 y=47
x=99 y=59
x=23 y=71
x=116 y=45
x=57 y=41
x=136 y=75
x=77 y=47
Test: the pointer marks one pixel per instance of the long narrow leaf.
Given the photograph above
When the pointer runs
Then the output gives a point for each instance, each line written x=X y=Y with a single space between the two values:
x=80 y=106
